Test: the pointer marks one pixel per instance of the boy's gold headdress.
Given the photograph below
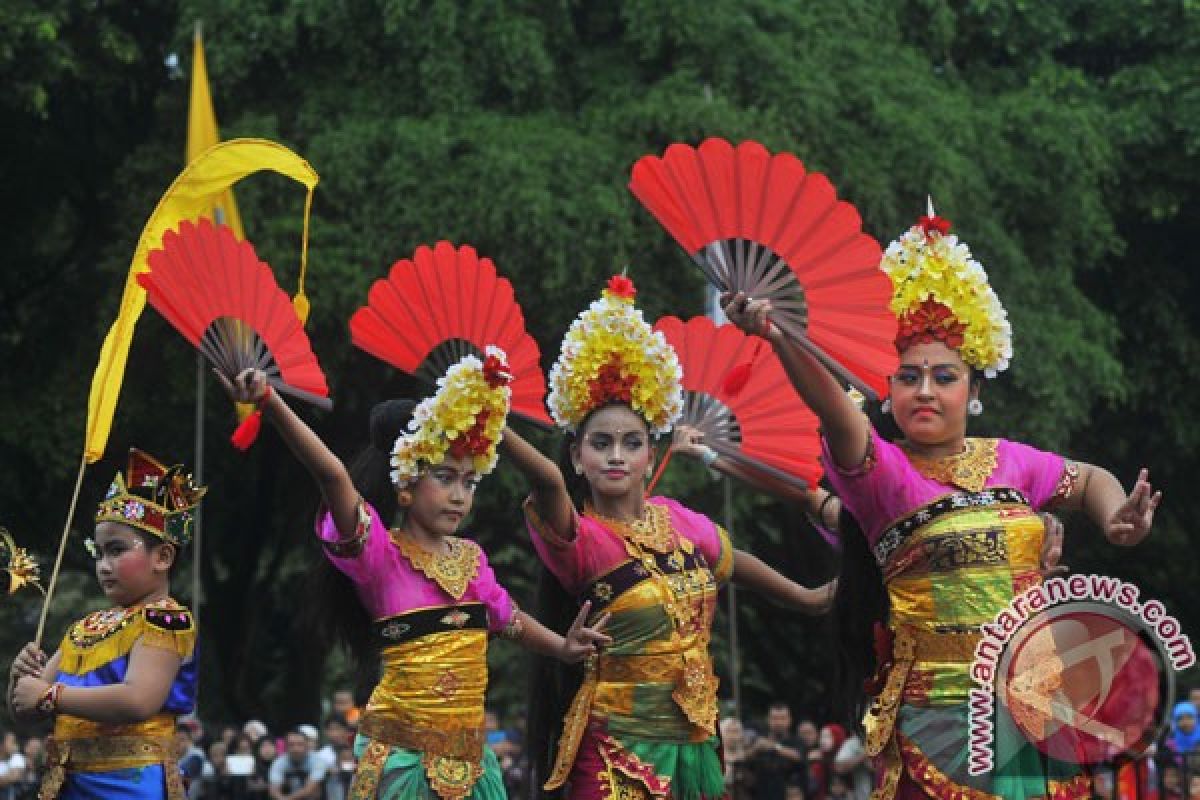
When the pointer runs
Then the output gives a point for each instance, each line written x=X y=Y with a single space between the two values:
x=153 y=498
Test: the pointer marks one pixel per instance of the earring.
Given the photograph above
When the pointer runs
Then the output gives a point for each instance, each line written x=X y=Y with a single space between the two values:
x=578 y=469
x=974 y=406
x=404 y=497
x=886 y=405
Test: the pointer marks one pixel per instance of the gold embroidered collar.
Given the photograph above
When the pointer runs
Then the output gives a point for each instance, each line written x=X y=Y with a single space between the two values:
x=653 y=531
x=453 y=571
x=968 y=470
x=100 y=625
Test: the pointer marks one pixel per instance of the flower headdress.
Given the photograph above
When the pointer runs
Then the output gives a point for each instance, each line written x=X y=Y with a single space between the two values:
x=17 y=567
x=464 y=418
x=611 y=355
x=153 y=498
x=941 y=293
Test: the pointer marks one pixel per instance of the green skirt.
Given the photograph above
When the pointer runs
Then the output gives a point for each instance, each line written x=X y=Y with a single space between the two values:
x=404 y=777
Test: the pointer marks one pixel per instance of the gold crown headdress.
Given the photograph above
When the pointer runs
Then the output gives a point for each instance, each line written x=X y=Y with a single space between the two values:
x=941 y=293
x=154 y=498
x=611 y=355
x=465 y=417
x=17 y=567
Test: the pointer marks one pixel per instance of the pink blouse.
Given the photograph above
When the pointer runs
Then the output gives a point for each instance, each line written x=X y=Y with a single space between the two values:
x=889 y=487
x=388 y=584
x=596 y=550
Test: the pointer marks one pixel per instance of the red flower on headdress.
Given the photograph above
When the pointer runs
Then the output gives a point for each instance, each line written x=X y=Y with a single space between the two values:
x=610 y=385
x=929 y=322
x=935 y=223
x=496 y=372
x=621 y=287
x=472 y=442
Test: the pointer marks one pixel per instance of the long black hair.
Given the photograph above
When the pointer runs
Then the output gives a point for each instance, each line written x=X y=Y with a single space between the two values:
x=338 y=615
x=860 y=602
x=552 y=684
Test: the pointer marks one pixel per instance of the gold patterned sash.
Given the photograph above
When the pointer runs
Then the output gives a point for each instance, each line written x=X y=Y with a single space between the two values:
x=429 y=700
x=910 y=646
x=695 y=693
x=107 y=754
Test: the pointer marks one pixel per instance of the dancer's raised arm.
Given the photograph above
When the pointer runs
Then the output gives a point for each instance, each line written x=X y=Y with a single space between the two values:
x=548 y=491
x=842 y=423
x=326 y=468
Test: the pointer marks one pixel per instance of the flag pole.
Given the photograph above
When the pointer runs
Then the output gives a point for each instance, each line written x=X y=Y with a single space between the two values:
x=62 y=547
x=198 y=447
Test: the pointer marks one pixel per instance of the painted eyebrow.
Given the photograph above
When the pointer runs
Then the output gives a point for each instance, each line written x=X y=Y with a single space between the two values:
x=931 y=366
x=453 y=471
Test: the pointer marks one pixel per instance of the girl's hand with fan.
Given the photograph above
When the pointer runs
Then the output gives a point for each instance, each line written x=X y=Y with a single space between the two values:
x=687 y=441
x=844 y=426
x=249 y=387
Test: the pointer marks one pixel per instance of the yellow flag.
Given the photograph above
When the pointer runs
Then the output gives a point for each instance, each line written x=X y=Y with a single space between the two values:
x=189 y=198
x=202 y=133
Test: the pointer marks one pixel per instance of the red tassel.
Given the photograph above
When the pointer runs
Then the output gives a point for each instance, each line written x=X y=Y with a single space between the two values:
x=247 y=433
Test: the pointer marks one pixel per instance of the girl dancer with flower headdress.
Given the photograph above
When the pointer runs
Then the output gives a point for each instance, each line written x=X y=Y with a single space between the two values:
x=643 y=723
x=950 y=519
x=422 y=597
x=121 y=677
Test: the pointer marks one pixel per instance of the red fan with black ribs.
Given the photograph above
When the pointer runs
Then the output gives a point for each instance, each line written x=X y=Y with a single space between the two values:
x=759 y=223
x=215 y=291
x=737 y=394
x=445 y=303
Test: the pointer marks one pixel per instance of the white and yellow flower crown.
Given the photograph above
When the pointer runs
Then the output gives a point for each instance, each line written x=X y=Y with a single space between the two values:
x=611 y=355
x=464 y=418
x=940 y=292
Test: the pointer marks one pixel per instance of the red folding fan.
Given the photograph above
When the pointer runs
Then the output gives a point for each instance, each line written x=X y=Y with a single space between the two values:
x=759 y=223
x=737 y=394
x=441 y=305
x=215 y=291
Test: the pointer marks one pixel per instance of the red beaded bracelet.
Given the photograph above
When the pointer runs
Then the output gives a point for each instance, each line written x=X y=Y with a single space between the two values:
x=48 y=703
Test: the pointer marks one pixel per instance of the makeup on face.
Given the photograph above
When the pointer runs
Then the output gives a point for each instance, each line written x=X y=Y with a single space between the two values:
x=925 y=375
x=125 y=565
x=444 y=496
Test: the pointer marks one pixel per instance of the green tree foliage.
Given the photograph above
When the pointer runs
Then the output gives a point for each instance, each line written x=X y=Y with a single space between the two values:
x=1061 y=138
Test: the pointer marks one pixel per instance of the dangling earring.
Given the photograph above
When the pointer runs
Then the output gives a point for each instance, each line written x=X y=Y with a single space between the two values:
x=578 y=469
x=404 y=497
x=886 y=405
x=974 y=406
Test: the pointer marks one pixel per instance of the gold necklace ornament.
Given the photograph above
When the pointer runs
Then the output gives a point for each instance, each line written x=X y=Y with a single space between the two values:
x=652 y=531
x=968 y=470
x=453 y=570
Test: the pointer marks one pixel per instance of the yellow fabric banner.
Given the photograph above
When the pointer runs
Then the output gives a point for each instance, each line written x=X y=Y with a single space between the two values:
x=202 y=134
x=189 y=198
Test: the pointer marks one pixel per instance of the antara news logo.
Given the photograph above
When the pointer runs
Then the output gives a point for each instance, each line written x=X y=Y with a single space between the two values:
x=1080 y=667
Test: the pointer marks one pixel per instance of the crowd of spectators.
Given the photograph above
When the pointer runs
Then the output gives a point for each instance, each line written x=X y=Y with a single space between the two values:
x=780 y=759
x=250 y=761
